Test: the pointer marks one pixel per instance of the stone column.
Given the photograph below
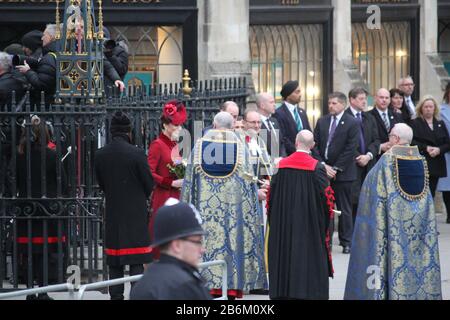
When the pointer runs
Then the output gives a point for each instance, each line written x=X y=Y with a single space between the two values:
x=433 y=76
x=346 y=76
x=224 y=39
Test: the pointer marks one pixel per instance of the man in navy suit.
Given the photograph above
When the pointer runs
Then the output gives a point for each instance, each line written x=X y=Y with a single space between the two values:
x=369 y=143
x=385 y=118
x=336 y=136
x=291 y=118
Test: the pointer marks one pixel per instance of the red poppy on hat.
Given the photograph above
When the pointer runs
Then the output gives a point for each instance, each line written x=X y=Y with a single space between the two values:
x=175 y=112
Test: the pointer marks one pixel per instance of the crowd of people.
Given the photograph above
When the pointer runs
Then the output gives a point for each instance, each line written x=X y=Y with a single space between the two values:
x=31 y=66
x=266 y=192
x=261 y=190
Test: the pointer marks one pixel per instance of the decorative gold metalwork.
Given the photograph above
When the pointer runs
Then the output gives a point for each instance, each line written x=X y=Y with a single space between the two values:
x=57 y=21
x=100 y=21
x=89 y=21
x=186 y=81
x=74 y=75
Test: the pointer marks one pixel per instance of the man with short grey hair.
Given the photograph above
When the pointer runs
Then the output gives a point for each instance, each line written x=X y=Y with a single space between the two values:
x=401 y=134
x=43 y=78
x=223 y=120
x=395 y=237
x=407 y=86
x=221 y=184
x=10 y=81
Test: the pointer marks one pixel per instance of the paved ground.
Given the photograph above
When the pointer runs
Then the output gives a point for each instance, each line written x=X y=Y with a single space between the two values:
x=337 y=285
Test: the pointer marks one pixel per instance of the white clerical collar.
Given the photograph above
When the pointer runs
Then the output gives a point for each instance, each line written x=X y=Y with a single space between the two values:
x=304 y=151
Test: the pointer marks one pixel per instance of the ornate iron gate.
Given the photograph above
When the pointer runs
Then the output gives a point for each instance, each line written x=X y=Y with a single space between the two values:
x=60 y=208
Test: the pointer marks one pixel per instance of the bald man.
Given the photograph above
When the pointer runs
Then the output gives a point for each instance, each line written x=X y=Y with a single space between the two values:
x=385 y=119
x=299 y=220
x=270 y=127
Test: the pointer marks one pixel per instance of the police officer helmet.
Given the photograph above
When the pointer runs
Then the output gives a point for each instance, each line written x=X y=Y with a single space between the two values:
x=176 y=220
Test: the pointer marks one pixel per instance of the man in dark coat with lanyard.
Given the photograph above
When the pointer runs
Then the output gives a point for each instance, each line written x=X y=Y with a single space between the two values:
x=175 y=276
x=124 y=176
x=299 y=255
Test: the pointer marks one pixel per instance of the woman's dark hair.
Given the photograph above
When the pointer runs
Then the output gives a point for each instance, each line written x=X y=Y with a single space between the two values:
x=395 y=91
x=447 y=92
x=164 y=121
x=37 y=125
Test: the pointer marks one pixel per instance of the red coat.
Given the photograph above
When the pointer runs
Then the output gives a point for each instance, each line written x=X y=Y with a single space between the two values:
x=162 y=151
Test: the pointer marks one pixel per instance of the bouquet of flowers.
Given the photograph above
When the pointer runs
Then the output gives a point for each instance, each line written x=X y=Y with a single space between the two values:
x=178 y=168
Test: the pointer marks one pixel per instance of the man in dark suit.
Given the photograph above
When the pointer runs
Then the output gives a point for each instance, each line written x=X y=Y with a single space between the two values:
x=291 y=118
x=336 y=136
x=270 y=128
x=369 y=143
x=228 y=106
x=385 y=119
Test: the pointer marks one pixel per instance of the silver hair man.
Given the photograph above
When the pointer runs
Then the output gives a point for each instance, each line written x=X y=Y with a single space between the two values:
x=403 y=133
x=52 y=28
x=223 y=120
x=5 y=62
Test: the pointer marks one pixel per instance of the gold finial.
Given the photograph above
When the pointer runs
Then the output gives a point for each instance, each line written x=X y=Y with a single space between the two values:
x=186 y=79
x=58 y=31
x=100 y=21
x=89 y=21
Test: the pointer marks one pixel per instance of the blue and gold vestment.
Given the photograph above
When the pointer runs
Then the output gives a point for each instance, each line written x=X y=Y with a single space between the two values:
x=220 y=183
x=395 y=254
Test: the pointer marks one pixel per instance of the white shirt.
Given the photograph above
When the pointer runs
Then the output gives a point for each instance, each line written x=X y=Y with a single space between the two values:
x=268 y=124
x=387 y=115
x=291 y=108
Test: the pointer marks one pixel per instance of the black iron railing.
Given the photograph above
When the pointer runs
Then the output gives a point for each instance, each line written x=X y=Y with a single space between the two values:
x=51 y=209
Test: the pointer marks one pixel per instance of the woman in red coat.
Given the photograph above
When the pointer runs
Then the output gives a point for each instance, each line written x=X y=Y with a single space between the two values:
x=163 y=152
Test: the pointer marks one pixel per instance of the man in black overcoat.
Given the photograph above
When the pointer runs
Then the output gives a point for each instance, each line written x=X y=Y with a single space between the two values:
x=299 y=256
x=124 y=176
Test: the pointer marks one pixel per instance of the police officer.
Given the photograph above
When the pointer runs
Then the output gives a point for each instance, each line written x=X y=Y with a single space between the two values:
x=175 y=276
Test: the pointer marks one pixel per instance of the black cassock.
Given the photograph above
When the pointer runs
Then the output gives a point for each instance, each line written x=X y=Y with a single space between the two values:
x=299 y=263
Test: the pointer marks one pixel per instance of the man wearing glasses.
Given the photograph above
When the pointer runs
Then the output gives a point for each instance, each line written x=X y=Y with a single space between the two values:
x=407 y=86
x=175 y=275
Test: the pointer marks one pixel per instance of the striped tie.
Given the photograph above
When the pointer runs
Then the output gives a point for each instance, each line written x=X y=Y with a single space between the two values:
x=386 y=122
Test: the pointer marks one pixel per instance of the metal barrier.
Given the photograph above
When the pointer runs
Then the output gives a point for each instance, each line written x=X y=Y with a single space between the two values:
x=57 y=287
x=103 y=284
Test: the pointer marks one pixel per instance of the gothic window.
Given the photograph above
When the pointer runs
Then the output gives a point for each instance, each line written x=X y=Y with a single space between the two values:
x=382 y=56
x=280 y=53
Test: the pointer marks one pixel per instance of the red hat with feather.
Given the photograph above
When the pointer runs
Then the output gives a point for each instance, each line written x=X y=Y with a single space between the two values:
x=175 y=112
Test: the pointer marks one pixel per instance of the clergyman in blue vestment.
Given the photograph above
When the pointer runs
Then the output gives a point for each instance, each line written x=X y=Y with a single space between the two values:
x=395 y=254
x=220 y=183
